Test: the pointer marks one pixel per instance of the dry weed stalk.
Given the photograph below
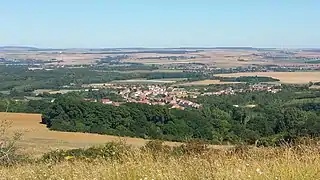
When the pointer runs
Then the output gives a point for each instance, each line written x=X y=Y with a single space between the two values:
x=7 y=142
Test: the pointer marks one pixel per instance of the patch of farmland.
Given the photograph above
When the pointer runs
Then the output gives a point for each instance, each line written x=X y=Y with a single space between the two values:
x=37 y=138
x=205 y=82
x=284 y=77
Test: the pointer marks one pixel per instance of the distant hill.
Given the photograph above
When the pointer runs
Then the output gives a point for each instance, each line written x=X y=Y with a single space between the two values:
x=17 y=48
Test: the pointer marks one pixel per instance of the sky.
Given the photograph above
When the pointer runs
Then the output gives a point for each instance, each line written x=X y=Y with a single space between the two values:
x=160 y=23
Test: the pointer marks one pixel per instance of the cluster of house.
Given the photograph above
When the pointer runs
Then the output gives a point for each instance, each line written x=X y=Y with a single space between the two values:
x=255 y=87
x=304 y=66
x=103 y=101
x=174 y=97
x=148 y=94
x=158 y=95
x=265 y=87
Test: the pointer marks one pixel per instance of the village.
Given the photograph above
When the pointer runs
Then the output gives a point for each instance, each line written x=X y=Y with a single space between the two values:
x=175 y=97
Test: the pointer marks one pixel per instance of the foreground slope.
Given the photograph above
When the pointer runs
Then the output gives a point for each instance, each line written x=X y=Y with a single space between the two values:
x=256 y=163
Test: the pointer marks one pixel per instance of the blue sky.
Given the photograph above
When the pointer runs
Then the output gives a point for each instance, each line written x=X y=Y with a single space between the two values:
x=160 y=23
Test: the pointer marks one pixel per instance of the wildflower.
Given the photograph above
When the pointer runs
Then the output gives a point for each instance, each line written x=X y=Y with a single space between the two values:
x=249 y=176
x=239 y=170
x=247 y=164
x=259 y=171
x=68 y=157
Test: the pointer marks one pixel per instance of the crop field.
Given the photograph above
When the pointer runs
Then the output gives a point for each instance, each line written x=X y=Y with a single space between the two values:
x=37 y=138
x=315 y=87
x=148 y=81
x=205 y=82
x=217 y=57
x=150 y=71
x=220 y=58
x=284 y=77
x=70 y=58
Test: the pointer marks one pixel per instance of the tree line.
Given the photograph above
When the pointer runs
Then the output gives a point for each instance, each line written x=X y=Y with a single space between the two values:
x=269 y=122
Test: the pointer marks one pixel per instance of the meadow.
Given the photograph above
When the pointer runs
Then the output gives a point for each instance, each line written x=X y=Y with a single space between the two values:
x=294 y=163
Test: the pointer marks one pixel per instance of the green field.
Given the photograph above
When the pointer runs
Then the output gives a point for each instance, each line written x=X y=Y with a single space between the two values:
x=149 y=81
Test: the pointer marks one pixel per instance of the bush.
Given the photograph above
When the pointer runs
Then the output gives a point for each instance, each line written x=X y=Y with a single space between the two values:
x=195 y=147
x=110 y=151
x=240 y=150
x=155 y=146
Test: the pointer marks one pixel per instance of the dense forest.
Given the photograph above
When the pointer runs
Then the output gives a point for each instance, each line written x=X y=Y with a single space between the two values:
x=275 y=117
x=20 y=79
x=248 y=79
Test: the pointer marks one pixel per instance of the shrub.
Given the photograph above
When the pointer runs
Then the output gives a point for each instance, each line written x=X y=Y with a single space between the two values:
x=110 y=151
x=192 y=147
x=240 y=150
x=156 y=146
x=8 y=147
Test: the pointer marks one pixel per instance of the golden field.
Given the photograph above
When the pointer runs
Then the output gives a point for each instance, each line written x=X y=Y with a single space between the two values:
x=284 y=77
x=37 y=138
x=218 y=57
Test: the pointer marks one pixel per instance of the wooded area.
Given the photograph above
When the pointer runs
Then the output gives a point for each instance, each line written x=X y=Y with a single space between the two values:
x=273 y=118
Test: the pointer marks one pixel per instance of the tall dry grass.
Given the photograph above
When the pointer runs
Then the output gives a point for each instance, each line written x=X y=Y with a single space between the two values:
x=299 y=162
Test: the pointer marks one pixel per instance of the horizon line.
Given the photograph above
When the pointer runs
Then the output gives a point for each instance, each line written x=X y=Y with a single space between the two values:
x=137 y=47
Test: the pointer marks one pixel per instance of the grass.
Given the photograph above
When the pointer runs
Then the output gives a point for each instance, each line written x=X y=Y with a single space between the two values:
x=255 y=163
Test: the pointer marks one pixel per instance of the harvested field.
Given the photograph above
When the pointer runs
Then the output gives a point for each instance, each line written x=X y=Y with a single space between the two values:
x=37 y=138
x=217 y=57
x=146 y=71
x=284 y=77
x=315 y=87
x=205 y=82
x=68 y=58
x=220 y=58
